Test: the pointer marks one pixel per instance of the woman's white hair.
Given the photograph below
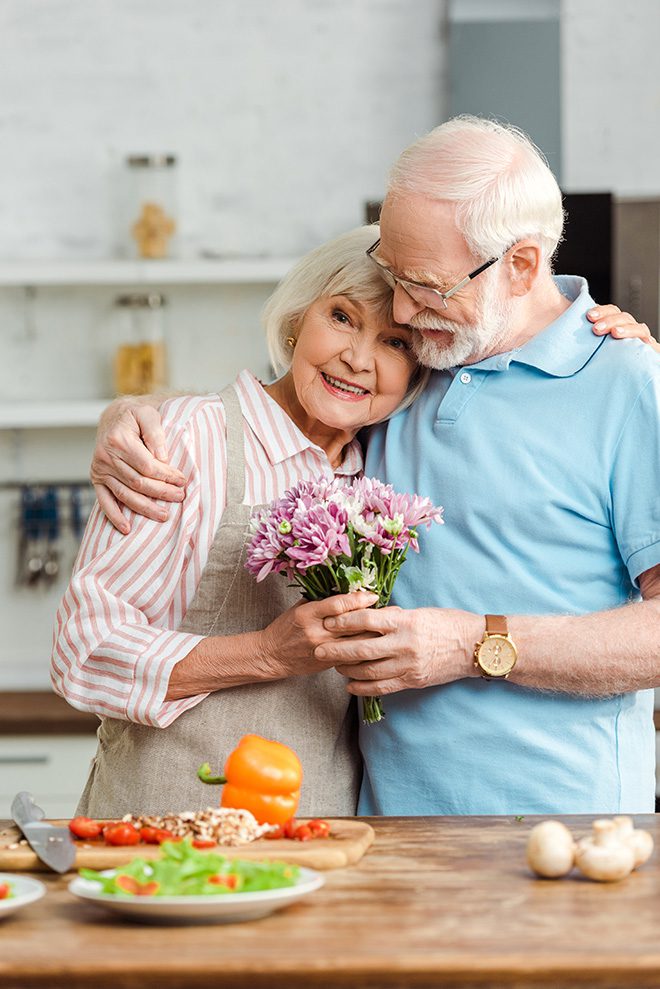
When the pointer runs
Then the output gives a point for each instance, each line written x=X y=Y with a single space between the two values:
x=500 y=181
x=339 y=267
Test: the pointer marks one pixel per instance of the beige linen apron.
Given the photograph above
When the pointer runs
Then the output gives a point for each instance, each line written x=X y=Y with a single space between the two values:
x=140 y=769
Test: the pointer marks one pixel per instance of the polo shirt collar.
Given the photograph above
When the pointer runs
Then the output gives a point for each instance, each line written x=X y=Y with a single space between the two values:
x=276 y=431
x=563 y=347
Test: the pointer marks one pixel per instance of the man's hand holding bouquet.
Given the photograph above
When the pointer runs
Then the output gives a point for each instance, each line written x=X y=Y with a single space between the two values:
x=337 y=537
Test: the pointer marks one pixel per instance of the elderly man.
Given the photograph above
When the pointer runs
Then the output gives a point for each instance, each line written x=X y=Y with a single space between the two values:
x=518 y=658
x=542 y=442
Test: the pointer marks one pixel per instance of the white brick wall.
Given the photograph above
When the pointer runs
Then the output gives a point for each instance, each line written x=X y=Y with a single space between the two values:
x=286 y=113
x=611 y=96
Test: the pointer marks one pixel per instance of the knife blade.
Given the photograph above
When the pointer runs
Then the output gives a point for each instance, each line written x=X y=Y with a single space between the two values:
x=51 y=843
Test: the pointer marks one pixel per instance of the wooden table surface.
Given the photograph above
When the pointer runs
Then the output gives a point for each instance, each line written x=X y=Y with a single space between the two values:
x=436 y=902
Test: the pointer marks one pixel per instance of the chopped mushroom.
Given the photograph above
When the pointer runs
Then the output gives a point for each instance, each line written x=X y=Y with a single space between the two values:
x=550 y=850
x=605 y=855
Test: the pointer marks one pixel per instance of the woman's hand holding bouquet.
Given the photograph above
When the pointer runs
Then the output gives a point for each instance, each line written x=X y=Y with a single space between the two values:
x=333 y=537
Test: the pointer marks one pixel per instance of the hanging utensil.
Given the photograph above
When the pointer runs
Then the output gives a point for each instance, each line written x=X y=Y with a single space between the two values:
x=51 y=567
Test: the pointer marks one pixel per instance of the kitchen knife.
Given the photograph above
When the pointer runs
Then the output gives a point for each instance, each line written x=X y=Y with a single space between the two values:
x=52 y=844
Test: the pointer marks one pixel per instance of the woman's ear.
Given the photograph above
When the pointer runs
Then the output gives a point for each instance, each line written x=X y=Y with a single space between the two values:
x=524 y=262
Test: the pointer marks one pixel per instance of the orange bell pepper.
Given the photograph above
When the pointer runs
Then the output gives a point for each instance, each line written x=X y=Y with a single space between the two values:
x=261 y=776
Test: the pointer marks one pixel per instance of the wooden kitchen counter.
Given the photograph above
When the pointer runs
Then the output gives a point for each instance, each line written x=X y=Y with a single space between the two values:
x=436 y=902
x=41 y=712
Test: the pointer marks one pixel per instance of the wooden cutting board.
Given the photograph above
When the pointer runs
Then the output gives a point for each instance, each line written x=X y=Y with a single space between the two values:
x=350 y=840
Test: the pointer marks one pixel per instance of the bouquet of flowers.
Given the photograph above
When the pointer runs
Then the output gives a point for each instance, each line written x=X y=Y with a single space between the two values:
x=334 y=537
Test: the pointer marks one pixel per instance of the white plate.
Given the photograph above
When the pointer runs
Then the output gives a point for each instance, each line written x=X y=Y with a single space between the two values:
x=224 y=908
x=25 y=891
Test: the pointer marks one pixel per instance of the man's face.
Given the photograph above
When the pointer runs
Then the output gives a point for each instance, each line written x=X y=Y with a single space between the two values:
x=420 y=242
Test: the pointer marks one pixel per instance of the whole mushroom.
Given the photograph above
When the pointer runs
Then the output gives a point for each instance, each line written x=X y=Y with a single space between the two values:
x=605 y=855
x=641 y=842
x=550 y=850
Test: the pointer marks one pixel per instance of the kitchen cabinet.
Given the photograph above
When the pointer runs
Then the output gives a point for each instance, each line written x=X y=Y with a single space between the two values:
x=52 y=768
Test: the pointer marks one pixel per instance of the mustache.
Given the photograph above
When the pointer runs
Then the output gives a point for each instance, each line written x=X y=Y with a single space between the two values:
x=431 y=321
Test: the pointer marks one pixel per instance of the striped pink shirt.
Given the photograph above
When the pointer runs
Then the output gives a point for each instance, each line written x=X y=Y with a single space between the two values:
x=115 y=638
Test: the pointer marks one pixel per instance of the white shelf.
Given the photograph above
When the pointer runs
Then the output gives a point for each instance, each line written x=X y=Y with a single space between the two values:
x=244 y=271
x=50 y=415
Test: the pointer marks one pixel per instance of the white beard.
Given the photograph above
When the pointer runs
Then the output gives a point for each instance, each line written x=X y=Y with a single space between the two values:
x=470 y=341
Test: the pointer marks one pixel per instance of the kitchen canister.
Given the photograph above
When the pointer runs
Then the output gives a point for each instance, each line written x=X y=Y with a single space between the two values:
x=151 y=205
x=140 y=365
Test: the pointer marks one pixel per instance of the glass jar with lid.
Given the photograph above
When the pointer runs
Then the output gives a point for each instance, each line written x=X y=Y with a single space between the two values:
x=140 y=365
x=151 y=205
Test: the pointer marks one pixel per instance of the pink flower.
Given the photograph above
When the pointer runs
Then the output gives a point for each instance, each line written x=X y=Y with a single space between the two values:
x=269 y=542
x=319 y=534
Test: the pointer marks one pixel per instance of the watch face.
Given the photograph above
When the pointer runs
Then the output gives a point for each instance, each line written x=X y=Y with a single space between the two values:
x=497 y=655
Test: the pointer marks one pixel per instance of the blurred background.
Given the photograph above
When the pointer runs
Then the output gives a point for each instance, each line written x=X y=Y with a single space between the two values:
x=163 y=163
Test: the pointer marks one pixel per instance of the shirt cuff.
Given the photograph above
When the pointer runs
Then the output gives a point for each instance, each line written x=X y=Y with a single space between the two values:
x=643 y=560
x=146 y=702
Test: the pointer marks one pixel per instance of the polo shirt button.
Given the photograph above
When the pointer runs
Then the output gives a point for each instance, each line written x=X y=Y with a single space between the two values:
x=466 y=378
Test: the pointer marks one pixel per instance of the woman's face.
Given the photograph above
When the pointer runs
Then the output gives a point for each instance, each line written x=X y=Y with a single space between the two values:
x=350 y=366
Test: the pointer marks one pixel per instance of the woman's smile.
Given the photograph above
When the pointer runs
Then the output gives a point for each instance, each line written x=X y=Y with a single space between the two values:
x=347 y=391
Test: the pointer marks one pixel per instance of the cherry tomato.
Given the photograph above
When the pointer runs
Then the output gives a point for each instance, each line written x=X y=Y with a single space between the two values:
x=303 y=833
x=231 y=881
x=122 y=834
x=162 y=834
x=128 y=884
x=149 y=835
x=289 y=827
x=319 y=828
x=4 y=891
x=156 y=836
x=278 y=832
x=203 y=843
x=85 y=827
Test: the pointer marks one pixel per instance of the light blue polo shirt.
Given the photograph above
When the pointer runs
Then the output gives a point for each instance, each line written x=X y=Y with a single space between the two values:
x=547 y=462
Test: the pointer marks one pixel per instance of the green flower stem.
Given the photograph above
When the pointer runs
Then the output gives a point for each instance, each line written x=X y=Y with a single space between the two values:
x=372 y=710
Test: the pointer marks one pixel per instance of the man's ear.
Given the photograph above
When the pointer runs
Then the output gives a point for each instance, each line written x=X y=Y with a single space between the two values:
x=524 y=263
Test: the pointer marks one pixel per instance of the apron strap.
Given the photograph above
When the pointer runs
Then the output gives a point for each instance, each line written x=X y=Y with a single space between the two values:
x=235 y=446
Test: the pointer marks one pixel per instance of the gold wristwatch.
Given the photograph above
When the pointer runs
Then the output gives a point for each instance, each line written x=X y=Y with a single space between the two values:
x=496 y=654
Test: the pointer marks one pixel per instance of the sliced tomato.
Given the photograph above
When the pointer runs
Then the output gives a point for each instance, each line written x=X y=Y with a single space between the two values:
x=162 y=834
x=203 y=843
x=5 y=890
x=128 y=884
x=121 y=834
x=149 y=835
x=86 y=828
x=290 y=827
x=277 y=832
x=303 y=833
x=319 y=828
x=230 y=881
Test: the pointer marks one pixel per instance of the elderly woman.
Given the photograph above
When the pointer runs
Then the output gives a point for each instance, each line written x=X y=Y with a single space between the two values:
x=163 y=633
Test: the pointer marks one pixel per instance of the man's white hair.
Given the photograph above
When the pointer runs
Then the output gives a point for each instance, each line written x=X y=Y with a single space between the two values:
x=339 y=267
x=500 y=182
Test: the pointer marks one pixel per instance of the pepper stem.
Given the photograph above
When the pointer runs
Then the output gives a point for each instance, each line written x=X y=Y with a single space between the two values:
x=204 y=774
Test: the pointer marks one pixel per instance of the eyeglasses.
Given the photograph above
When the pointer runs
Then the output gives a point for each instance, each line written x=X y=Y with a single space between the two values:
x=418 y=291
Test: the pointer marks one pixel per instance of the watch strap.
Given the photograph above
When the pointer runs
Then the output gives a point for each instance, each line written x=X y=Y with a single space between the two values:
x=497 y=625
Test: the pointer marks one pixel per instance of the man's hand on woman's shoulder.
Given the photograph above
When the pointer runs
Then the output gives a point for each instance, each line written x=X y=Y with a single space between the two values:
x=129 y=464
